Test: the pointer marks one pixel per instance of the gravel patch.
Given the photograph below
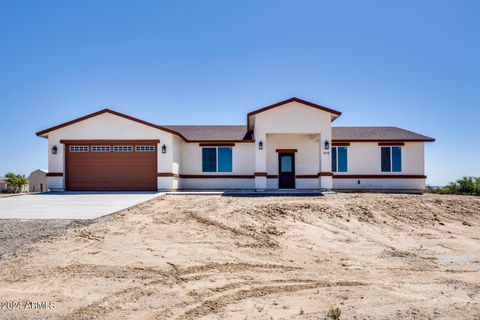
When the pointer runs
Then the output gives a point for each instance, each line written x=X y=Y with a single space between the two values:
x=17 y=236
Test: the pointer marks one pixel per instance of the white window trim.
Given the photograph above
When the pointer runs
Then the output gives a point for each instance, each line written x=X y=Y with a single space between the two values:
x=391 y=160
x=150 y=148
x=102 y=148
x=336 y=165
x=78 y=148
x=122 y=147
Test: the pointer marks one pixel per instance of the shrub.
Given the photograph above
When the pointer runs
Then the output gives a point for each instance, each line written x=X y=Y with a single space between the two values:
x=465 y=185
x=334 y=313
x=15 y=182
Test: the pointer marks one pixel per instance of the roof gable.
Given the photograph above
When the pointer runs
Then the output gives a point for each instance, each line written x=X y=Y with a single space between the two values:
x=68 y=123
x=335 y=113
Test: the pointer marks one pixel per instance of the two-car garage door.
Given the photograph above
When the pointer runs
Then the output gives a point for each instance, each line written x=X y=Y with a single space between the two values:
x=111 y=166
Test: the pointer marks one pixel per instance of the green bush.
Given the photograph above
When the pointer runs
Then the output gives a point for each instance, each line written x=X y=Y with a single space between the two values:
x=464 y=185
x=334 y=313
x=15 y=182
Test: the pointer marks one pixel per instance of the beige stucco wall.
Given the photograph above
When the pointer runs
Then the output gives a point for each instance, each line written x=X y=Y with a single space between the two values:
x=291 y=126
x=293 y=118
x=365 y=158
x=242 y=159
x=107 y=126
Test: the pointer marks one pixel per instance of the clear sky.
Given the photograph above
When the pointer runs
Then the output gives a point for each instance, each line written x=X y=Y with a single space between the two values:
x=411 y=64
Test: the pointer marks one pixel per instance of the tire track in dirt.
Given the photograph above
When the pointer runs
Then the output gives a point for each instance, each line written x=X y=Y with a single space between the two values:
x=223 y=301
x=263 y=240
x=152 y=277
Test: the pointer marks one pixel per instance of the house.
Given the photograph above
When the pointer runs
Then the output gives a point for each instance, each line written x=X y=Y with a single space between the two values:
x=287 y=145
x=37 y=181
x=3 y=184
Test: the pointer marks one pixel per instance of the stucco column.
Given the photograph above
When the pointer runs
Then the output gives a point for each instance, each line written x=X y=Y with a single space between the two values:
x=260 y=162
x=326 y=181
x=165 y=178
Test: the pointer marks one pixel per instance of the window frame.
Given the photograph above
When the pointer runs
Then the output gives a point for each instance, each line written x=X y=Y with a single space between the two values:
x=122 y=148
x=145 y=148
x=79 y=148
x=335 y=166
x=391 y=168
x=102 y=148
x=217 y=159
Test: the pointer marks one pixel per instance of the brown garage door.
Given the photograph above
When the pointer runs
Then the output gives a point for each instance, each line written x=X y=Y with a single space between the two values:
x=111 y=166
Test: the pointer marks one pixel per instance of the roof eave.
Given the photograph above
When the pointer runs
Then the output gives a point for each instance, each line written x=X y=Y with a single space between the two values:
x=91 y=115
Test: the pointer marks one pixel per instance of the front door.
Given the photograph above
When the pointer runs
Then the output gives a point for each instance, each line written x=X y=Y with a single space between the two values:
x=286 y=170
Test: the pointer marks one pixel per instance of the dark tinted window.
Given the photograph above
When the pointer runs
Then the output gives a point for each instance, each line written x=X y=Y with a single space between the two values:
x=209 y=159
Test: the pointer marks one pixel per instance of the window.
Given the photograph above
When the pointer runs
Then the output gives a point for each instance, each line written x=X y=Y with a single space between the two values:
x=224 y=159
x=339 y=159
x=210 y=157
x=122 y=148
x=391 y=159
x=78 y=148
x=101 y=148
x=144 y=148
x=286 y=165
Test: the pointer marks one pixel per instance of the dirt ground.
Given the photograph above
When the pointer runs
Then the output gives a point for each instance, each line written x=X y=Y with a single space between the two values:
x=189 y=257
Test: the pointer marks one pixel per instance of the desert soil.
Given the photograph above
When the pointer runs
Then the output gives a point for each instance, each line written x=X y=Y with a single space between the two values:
x=210 y=257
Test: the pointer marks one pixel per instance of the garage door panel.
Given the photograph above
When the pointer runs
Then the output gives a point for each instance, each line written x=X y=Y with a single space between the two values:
x=111 y=171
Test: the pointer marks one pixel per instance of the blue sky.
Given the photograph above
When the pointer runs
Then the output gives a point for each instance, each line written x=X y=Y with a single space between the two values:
x=412 y=64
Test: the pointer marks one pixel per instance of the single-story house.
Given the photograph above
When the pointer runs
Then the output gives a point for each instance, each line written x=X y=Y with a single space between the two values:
x=288 y=145
x=37 y=181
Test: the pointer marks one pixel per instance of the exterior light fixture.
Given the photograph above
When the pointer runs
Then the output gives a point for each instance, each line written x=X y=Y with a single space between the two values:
x=327 y=145
x=54 y=150
x=260 y=145
x=164 y=149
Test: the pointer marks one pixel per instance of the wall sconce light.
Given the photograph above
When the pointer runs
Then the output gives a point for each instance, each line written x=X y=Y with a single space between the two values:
x=260 y=145
x=54 y=150
x=327 y=145
x=164 y=149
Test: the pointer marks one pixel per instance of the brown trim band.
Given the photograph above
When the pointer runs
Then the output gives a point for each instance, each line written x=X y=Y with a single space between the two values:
x=286 y=150
x=325 y=174
x=382 y=140
x=340 y=144
x=223 y=176
x=99 y=141
x=391 y=143
x=54 y=174
x=272 y=176
x=378 y=176
x=314 y=176
x=219 y=144
x=167 y=174
x=306 y=176
x=260 y=174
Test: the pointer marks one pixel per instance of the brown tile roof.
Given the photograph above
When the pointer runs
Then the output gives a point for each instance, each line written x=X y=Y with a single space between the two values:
x=199 y=133
x=376 y=134
x=239 y=132
x=212 y=132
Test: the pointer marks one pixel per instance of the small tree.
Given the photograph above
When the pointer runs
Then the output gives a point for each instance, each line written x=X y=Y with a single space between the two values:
x=466 y=185
x=15 y=182
x=477 y=186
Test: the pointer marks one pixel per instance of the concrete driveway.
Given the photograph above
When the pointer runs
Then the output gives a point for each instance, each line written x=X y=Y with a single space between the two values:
x=70 y=205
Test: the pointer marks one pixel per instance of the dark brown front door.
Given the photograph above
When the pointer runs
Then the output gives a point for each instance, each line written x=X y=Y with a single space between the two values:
x=286 y=170
x=111 y=166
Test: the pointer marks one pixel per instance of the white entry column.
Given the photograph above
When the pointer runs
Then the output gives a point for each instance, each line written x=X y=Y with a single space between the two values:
x=260 y=162
x=325 y=174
